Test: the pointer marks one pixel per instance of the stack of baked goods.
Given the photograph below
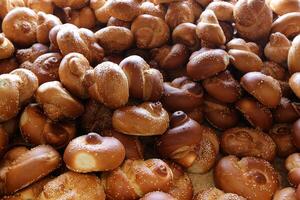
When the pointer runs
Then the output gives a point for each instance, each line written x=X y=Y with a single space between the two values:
x=150 y=99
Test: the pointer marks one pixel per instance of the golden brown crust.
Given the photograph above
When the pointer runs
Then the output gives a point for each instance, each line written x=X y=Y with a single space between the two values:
x=277 y=48
x=8 y=65
x=45 y=6
x=222 y=9
x=257 y=114
x=209 y=29
x=150 y=119
x=117 y=22
x=223 y=87
x=68 y=38
x=43 y=159
x=296 y=133
x=286 y=111
x=171 y=57
x=281 y=7
x=20 y=21
x=207 y=63
x=75 y=4
x=292 y=161
x=157 y=196
x=133 y=147
x=32 y=53
x=245 y=142
x=57 y=101
x=45 y=67
x=185 y=33
x=125 y=10
x=100 y=8
x=71 y=71
x=293 y=56
x=114 y=38
x=252 y=178
x=6 y=47
x=150 y=8
x=37 y=129
x=216 y=194
x=275 y=70
x=144 y=82
x=150 y=31
x=253 y=19
x=294 y=83
x=264 y=88
x=287 y=24
x=128 y=181
x=107 y=84
x=8 y=5
x=83 y=18
x=45 y=23
x=245 y=61
x=180 y=142
x=73 y=186
x=92 y=153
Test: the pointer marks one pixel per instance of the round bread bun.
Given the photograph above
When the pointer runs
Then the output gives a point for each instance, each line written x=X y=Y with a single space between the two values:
x=92 y=153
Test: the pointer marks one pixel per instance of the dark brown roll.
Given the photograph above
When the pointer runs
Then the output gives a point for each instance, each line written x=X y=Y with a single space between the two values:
x=282 y=136
x=219 y=115
x=144 y=82
x=136 y=178
x=43 y=159
x=133 y=147
x=252 y=178
x=223 y=87
x=31 y=53
x=207 y=64
x=57 y=102
x=264 y=88
x=37 y=129
x=96 y=117
x=180 y=142
x=275 y=70
x=4 y=139
x=8 y=65
x=92 y=153
x=45 y=67
x=296 y=133
x=182 y=94
x=243 y=142
x=286 y=111
x=256 y=114
x=185 y=33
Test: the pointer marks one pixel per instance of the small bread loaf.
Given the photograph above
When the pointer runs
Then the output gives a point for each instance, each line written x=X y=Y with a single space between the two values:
x=75 y=186
x=253 y=19
x=92 y=153
x=6 y=47
x=222 y=9
x=37 y=129
x=136 y=178
x=244 y=142
x=57 y=101
x=125 y=10
x=16 y=88
x=149 y=119
x=281 y=7
x=144 y=82
x=45 y=67
x=43 y=159
x=287 y=24
x=185 y=33
x=71 y=71
x=44 y=24
x=107 y=84
x=101 y=11
x=209 y=29
x=68 y=38
x=20 y=21
x=150 y=31
x=252 y=178
x=293 y=56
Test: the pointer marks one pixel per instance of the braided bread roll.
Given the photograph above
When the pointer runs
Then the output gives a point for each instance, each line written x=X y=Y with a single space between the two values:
x=136 y=178
x=43 y=159
x=144 y=82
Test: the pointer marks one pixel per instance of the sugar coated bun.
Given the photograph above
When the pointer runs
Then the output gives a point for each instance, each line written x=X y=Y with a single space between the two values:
x=75 y=186
x=92 y=152
x=252 y=178
x=150 y=119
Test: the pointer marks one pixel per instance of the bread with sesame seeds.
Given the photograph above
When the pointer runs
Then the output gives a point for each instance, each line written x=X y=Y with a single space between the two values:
x=135 y=178
x=216 y=194
x=75 y=186
x=37 y=162
x=252 y=178
x=93 y=153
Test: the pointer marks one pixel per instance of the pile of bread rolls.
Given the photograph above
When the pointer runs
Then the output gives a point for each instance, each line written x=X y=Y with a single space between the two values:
x=150 y=99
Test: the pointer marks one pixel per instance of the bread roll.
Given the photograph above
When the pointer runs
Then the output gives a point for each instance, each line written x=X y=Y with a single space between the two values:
x=149 y=119
x=281 y=7
x=287 y=24
x=293 y=56
x=6 y=47
x=75 y=186
x=214 y=193
x=8 y=5
x=31 y=53
x=125 y=10
x=92 y=153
